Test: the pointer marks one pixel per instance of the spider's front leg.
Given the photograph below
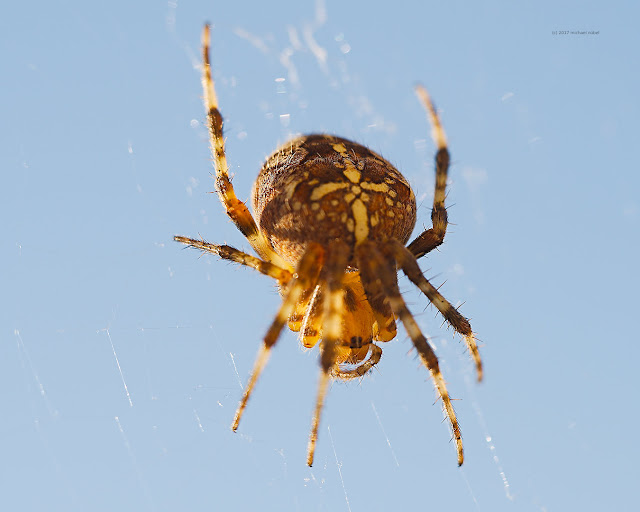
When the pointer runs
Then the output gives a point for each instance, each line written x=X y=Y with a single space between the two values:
x=236 y=209
x=434 y=236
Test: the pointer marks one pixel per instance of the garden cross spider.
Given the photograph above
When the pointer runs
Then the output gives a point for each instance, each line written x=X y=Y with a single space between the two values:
x=332 y=221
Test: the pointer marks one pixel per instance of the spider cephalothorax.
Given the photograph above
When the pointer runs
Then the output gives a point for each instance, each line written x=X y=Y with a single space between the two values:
x=332 y=221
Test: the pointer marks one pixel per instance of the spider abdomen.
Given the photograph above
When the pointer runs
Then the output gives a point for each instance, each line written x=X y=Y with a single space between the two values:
x=319 y=188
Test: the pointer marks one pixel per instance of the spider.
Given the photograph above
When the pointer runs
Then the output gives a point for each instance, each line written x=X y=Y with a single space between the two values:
x=331 y=222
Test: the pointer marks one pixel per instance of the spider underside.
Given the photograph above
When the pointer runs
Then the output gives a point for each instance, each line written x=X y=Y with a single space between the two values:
x=331 y=222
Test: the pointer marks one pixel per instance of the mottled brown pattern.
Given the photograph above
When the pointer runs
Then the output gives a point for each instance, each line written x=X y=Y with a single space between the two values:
x=290 y=219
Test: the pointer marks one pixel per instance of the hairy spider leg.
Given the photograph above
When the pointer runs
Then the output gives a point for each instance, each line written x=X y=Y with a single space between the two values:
x=306 y=276
x=434 y=236
x=375 y=353
x=381 y=310
x=236 y=209
x=296 y=320
x=227 y=252
x=311 y=329
x=331 y=280
x=409 y=264
x=377 y=268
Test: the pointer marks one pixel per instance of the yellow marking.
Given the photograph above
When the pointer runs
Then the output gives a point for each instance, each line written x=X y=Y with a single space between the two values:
x=349 y=197
x=321 y=215
x=356 y=189
x=350 y=225
x=340 y=148
x=376 y=187
x=374 y=219
x=334 y=202
x=322 y=190
x=389 y=201
x=297 y=205
x=364 y=196
x=362 y=220
x=338 y=165
x=392 y=193
x=390 y=213
x=351 y=173
x=315 y=206
x=343 y=218
x=290 y=188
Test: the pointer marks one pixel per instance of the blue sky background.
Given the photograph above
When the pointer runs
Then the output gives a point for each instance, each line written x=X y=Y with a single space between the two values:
x=122 y=356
